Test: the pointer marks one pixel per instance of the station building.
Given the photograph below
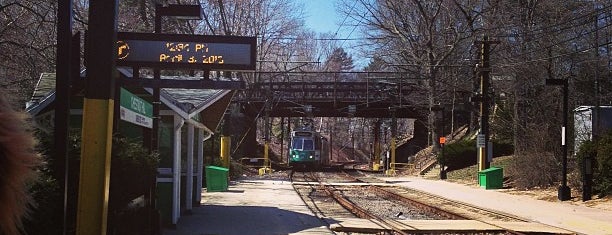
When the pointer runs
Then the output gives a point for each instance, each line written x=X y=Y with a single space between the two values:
x=188 y=118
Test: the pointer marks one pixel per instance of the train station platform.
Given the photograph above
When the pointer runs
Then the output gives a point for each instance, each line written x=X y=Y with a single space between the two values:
x=251 y=207
x=273 y=207
x=563 y=215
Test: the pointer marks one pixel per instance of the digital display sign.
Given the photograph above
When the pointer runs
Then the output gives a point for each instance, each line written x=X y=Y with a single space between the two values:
x=186 y=51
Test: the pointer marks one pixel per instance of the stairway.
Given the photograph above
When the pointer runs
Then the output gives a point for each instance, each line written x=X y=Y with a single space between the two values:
x=433 y=173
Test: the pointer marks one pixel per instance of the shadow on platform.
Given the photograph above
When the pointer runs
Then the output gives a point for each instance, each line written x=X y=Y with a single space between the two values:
x=218 y=219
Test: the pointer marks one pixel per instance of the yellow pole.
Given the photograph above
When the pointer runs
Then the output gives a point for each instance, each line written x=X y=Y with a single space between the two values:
x=266 y=165
x=481 y=159
x=392 y=171
x=98 y=114
x=266 y=156
x=95 y=166
x=377 y=153
x=225 y=151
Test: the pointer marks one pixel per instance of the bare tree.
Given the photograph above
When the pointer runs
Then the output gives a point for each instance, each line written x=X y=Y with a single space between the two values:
x=27 y=44
x=277 y=24
x=419 y=36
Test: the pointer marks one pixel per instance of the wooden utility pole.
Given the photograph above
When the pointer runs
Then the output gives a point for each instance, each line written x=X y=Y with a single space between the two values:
x=485 y=71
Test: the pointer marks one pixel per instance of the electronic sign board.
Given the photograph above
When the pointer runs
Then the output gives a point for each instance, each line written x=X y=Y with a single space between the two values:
x=186 y=51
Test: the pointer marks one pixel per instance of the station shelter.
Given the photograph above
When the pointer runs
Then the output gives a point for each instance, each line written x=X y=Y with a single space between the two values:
x=188 y=117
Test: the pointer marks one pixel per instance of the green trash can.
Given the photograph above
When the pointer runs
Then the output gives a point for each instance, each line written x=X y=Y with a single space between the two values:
x=492 y=178
x=216 y=179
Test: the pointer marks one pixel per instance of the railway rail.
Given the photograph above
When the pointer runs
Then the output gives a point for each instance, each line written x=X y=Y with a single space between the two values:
x=341 y=192
x=448 y=208
x=348 y=205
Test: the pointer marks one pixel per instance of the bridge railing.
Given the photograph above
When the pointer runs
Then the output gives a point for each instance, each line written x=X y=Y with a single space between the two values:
x=340 y=91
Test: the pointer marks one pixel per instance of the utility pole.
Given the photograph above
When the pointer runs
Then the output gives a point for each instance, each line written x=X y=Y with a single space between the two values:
x=485 y=71
x=98 y=118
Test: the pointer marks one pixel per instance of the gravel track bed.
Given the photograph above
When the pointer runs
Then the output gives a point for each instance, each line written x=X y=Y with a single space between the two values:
x=384 y=208
x=464 y=210
x=326 y=206
x=322 y=205
x=468 y=211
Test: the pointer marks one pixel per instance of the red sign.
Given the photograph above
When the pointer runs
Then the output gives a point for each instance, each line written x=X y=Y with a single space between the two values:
x=442 y=140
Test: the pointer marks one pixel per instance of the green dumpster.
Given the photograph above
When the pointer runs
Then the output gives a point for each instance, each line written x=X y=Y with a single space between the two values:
x=216 y=179
x=492 y=178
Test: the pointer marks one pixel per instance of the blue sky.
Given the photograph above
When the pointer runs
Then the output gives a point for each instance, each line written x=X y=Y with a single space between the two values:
x=321 y=15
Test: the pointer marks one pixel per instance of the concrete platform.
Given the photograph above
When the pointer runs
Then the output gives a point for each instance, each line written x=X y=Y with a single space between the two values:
x=251 y=207
x=563 y=215
x=272 y=207
x=352 y=225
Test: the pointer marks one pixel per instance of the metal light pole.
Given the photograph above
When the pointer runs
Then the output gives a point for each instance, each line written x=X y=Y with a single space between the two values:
x=62 y=97
x=564 y=192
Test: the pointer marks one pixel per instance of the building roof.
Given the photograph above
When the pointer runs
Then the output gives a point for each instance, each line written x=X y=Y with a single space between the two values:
x=186 y=102
x=45 y=88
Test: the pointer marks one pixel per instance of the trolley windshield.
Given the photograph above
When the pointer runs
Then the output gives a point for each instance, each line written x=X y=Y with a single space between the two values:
x=303 y=144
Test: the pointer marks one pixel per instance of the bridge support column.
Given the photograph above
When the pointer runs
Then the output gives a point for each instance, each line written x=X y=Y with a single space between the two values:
x=420 y=136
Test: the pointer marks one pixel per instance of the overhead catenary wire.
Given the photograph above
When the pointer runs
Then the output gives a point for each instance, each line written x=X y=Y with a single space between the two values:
x=551 y=57
x=563 y=41
x=534 y=32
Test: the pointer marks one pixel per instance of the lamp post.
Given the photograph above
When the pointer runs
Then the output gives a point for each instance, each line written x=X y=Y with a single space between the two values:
x=564 y=192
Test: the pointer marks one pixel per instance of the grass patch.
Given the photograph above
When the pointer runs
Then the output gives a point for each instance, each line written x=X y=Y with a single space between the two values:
x=470 y=173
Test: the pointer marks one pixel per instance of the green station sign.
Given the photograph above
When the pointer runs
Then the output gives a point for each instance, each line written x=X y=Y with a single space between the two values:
x=135 y=110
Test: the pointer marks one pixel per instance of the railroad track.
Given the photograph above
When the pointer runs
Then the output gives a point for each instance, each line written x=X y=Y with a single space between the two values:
x=432 y=203
x=450 y=208
x=344 y=196
x=350 y=195
x=317 y=199
x=349 y=206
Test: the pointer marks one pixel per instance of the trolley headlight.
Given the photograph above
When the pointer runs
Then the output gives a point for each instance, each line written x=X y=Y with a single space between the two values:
x=310 y=156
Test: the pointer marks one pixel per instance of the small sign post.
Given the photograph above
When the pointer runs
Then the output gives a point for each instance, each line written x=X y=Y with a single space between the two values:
x=442 y=159
x=481 y=145
x=480 y=141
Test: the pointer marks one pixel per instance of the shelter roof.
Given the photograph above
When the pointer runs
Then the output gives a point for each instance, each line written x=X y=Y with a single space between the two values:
x=186 y=102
